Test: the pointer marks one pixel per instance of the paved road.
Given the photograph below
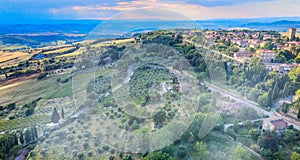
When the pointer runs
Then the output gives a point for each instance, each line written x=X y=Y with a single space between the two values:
x=250 y=104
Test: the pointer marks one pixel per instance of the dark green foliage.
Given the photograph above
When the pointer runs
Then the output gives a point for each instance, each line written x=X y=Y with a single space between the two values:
x=160 y=37
x=181 y=152
x=42 y=76
x=62 y=114
x=30 y=107
x=29 y=112
x=284 y=56
x=21 y=138
x=55 y=116
x=159 y=118
x=7 y=141
x=127 y=157
x=15 y=150
x=11 y=106
x=275 y=91
x=158 y=155
x=16 y=139
x=268 y=141
x=28 y=136
x=254 y=133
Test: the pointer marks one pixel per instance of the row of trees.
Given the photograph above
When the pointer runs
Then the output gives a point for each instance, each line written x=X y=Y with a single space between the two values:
x=11 y=143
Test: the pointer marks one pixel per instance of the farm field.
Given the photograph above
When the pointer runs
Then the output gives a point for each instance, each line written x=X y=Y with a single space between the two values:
x=7 y=58
x=18 y=123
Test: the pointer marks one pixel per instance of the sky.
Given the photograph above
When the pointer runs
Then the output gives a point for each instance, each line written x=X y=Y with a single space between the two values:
x=28 y=10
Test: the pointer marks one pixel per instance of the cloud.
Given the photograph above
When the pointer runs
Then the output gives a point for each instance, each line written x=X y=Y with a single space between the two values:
x=221 y=9
x=217 y=3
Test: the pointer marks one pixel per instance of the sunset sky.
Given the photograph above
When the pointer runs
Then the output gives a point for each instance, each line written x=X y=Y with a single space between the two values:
x=22 y=10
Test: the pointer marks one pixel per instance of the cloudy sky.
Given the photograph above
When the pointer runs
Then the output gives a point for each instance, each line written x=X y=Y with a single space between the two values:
x=22 y=10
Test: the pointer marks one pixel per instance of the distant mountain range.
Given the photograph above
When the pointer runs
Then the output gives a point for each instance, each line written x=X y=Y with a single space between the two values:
x=277 y=26
x=77 y=30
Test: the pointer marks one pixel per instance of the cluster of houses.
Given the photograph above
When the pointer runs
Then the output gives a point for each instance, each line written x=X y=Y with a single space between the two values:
x=255 y=40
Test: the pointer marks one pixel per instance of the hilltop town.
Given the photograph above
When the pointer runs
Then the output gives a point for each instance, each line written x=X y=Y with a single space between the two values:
x=56 y=96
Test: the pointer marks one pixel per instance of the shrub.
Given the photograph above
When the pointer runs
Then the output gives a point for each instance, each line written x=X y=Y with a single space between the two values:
x=181 y=153
x=99 y=150
x=74 y=153
x=87 y=134
x=42 y=76
x=80 y=156
x=90 y=154
x=15 y=150
x=70 y=137
x=85 y=145
x=43 y=152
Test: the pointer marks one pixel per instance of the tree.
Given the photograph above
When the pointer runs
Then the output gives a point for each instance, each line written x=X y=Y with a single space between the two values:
x=240 y=153
x=29 y=111
x=263 y=100
x=34 y=133
x=28 y=136
x=200 y=150
x=158 y=155
x=269 y=46
x=181 y=153
x=254 y=133
x=62 y=114
x=16 y=139
x=253 y=94
x=294 y=75
x=270 y=97
x=235 y=126
x=286 y=89
x=268 y=141
x=21 y=138
x=275 y=94
x=55 y=116
x=159 y=118
x=295 y=156
x=285 y=107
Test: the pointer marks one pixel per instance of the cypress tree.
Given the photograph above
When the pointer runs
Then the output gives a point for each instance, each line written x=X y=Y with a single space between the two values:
x=270 y=96
x=21 y=138
x=55 y=116
x=28 y=136
x=33 y=136
x=275 y=91
x=62 y=114
x=286 y=89
x=15 y=139
x=35 y=132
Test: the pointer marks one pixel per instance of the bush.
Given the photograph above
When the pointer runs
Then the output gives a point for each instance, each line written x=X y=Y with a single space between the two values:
x=15 y=150
x=74 y=153
x=181 y=153
x=99 y=150
x=86 y=146
x=29 y=112
x=42 y=76
x=80 y=156
x=90 y=154
x=70 y=137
